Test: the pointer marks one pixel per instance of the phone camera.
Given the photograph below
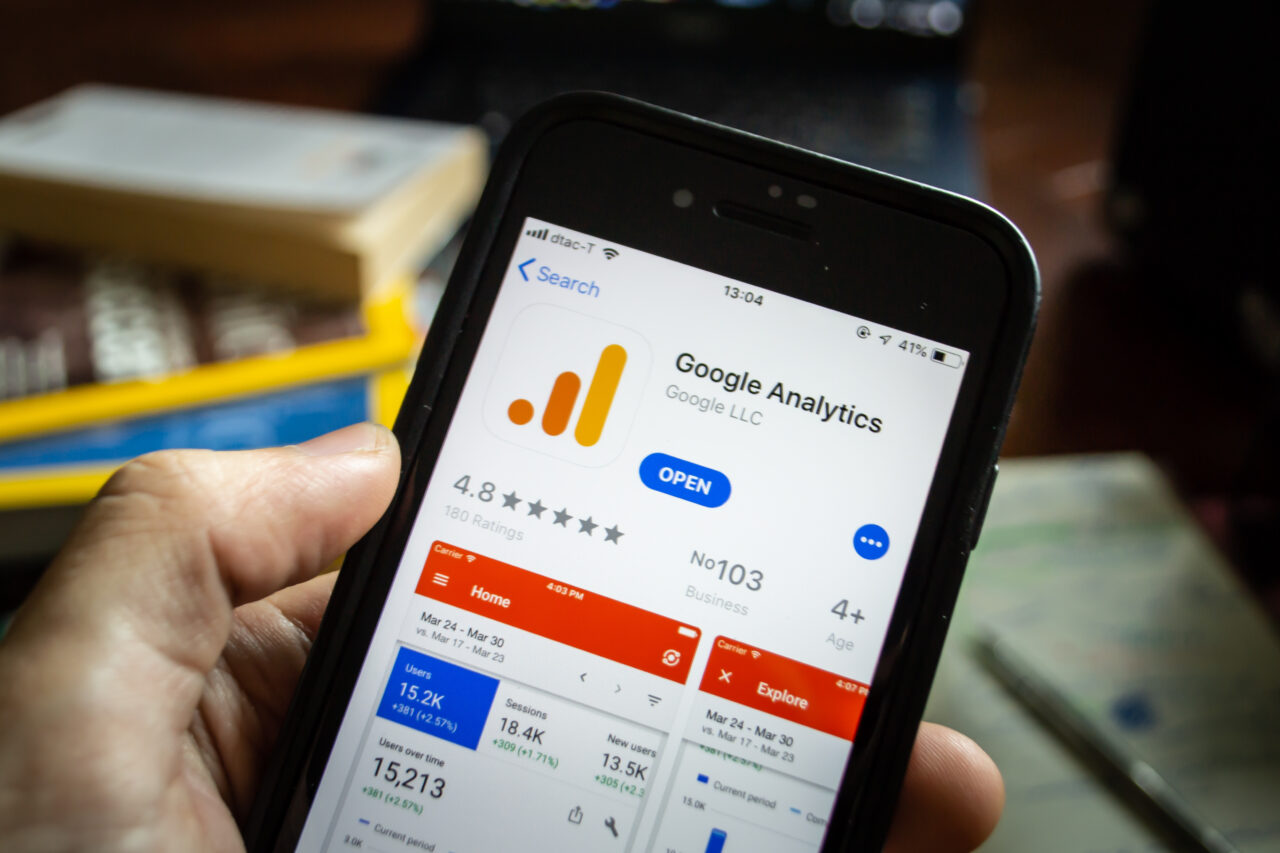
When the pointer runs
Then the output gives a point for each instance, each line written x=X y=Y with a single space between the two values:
x=775 y=191
x=682 y=198
x=806 y=201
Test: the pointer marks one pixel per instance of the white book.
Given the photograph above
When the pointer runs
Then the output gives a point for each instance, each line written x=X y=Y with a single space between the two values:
x=330 y=201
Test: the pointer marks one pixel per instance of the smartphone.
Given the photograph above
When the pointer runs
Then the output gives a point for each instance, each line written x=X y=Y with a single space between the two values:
x=694 y=456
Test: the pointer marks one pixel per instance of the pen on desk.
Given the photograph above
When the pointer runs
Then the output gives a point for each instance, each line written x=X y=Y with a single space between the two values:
x=1130 y=774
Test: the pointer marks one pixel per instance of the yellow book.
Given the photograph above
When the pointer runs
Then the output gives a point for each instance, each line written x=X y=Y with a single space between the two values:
x=67 y=469
x=388 y=338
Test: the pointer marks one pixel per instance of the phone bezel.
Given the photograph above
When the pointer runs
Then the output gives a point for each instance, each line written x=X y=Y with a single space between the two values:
x=522 y=177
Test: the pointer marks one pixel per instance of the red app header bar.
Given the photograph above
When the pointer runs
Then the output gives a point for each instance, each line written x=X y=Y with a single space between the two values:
x=559 y=612
x=784 y=687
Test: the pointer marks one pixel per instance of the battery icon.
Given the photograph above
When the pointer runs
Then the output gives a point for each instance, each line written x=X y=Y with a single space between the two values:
x=950 y=359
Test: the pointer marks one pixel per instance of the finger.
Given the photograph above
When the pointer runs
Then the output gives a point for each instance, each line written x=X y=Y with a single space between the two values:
x=303 y=604
x=951 y=798
x=142 y=595
x=248 y=692
x=269 y=644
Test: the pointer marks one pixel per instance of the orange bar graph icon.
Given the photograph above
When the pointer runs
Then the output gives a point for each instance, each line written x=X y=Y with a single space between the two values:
x=564 y=395
x=560 y=404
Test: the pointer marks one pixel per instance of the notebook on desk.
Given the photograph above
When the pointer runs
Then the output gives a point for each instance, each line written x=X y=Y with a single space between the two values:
x=1106 y=585
x=875 y=82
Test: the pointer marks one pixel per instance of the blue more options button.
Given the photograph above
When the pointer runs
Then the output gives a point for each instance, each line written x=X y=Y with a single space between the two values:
x=685 y=480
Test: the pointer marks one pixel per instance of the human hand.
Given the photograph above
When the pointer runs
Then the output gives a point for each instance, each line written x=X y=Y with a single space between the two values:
x=143 y=683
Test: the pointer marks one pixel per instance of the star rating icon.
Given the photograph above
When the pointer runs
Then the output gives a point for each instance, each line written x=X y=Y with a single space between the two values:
x=536 y=509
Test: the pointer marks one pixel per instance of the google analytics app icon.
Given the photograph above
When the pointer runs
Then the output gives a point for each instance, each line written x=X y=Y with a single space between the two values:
x=567 y=385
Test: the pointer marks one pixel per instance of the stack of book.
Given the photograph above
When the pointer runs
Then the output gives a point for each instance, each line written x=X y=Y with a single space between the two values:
x=190 y=272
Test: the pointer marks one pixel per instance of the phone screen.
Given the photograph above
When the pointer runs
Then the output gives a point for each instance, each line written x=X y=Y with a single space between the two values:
x=650 y=578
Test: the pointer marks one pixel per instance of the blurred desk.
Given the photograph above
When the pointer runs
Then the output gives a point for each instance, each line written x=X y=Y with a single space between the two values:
x=1093 y=571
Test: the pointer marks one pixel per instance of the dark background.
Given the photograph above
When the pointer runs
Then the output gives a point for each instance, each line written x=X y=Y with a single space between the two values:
x=1124 y=138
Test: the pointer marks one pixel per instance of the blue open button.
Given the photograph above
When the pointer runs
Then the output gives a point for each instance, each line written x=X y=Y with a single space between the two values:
x=685 y=480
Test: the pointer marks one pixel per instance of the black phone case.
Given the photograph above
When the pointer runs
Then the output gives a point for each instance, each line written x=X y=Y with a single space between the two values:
x=904 y=673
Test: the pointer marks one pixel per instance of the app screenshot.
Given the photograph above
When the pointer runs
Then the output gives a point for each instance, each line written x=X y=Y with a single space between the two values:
x=649 y=581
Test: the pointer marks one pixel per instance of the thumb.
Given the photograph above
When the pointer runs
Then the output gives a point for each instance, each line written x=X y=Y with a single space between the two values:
x=140 y=600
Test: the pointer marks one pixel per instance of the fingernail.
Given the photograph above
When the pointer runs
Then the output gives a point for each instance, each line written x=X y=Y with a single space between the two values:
x=346 y=440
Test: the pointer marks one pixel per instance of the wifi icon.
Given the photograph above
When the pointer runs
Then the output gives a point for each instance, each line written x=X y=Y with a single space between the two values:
x=755 y=654
x=471 y=558
x=609 y=252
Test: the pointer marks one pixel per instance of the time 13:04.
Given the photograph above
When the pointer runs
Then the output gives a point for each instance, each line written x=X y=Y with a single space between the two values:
x=748 y=296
